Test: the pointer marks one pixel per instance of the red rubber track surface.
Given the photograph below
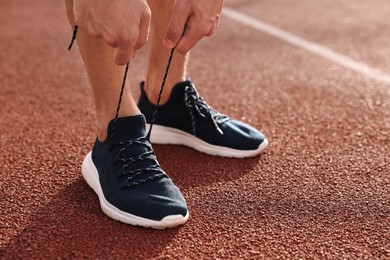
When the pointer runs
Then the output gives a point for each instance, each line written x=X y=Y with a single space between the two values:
x=321 y=189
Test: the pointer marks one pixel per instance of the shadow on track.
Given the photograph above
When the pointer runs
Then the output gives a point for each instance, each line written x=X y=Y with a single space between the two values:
x=189 y=168
x=72 y=226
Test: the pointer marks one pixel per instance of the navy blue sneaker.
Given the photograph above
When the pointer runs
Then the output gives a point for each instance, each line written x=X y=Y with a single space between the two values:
x=186 y=119
x=131 y=185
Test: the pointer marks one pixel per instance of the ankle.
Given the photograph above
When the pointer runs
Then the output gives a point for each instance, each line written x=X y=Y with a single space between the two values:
x=101 y=134
x=102 y=122
x=152 y=90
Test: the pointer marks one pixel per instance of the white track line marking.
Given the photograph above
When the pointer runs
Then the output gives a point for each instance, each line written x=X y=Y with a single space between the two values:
x=309 y=46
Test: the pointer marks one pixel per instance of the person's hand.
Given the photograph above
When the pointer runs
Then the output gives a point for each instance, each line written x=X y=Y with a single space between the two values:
x=192 y=20
x=122 y=24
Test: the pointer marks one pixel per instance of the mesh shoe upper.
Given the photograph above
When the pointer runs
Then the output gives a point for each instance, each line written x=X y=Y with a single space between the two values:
x=130 y=175
x=187 y=111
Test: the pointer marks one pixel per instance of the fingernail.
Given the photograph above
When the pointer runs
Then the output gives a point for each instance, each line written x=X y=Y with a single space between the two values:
x=168 y=43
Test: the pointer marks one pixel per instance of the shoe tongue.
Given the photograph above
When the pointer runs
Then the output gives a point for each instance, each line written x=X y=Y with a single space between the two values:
x=127 y=128
x=178 y=90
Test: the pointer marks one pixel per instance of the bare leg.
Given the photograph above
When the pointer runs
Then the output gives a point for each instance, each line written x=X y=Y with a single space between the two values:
x=158 y=55
x=105 y=78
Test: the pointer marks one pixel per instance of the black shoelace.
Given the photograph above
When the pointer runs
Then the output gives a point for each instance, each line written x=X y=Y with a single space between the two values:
x=131 y=181
x=195 y=103
x=143 y=141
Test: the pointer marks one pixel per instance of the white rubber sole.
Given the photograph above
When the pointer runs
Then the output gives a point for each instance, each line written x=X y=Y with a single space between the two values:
x=91 y=176
x=168 y=135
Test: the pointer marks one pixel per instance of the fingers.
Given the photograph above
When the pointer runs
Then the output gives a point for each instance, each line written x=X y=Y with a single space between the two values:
x=131 y=41
x=214 y=26
x=122 y=56
x=194 y=31
x=127 y=47
x=219 y=13
x=190 y=22
x=143 y=31
x=121 y=24
x=216 y=23
x=176 y=25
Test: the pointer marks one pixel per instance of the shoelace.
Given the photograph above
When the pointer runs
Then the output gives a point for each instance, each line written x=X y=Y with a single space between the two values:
x=195 y=103
x=143 y=141
x=132 y=174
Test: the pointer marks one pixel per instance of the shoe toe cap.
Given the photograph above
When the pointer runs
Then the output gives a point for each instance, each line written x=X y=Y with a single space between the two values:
x=154 y=200
x=242 y=136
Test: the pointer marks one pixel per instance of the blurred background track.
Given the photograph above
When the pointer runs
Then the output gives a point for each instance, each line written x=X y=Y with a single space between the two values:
x=321 y=189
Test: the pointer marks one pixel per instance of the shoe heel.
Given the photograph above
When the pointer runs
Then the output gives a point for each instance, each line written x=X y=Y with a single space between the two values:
x=89 y=172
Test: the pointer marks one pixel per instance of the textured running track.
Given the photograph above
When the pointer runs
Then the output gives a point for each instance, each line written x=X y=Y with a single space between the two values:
x=321 y=189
